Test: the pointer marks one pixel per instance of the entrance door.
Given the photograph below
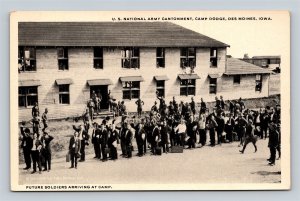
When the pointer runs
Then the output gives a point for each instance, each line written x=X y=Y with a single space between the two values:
x=101 y=91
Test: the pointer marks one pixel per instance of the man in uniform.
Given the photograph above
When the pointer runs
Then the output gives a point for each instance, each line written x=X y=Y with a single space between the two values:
x=139 y=104
x=91 y=106
x=45 y=119
x=202 y=106
x=35 y=111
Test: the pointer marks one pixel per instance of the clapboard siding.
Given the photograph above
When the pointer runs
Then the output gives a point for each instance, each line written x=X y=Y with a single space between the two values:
x=81 y=69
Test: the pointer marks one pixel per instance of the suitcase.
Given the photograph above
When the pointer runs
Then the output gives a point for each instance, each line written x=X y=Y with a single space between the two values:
x=177 y=149
x=68 y=157
x=158 y=150
x=107 y=150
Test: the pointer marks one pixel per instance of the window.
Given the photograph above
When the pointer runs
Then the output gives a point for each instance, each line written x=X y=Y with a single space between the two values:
x=160 y=87
x=160 y=57
x=213 y=85
x=188 y=57
x=98 y=58
x=236 y=79
x=63 y=61
x=130 y=57
x=28 y=96
x=264 y=63
x=213 y=58
x=258 y=83
x=187 y=87
x=64 y=94
x=26 y=59
x=131 y=90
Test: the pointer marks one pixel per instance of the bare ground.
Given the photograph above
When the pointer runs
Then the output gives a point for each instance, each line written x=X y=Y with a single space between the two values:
x=220 y=164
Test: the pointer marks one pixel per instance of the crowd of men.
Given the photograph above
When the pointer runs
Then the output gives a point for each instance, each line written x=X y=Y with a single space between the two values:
x=36 y=144
x=165 y=127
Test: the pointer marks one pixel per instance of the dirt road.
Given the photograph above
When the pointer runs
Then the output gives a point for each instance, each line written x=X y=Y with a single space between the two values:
x=220 y=164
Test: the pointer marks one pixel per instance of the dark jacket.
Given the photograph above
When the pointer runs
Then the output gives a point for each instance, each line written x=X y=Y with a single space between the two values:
x=128 y=137
x=139 y=131
x=74 y=145
x=164 y=134
x=46 y=143
x=221 y=124
x=103 y=136
x=273 y=138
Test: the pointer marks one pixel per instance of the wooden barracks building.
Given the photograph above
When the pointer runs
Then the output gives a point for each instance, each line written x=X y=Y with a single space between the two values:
x=61 y=63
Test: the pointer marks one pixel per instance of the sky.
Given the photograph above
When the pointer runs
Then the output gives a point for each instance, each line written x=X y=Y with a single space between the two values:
x=254 y=37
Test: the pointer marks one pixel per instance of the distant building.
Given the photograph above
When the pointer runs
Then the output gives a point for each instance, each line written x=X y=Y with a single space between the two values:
x=62 y=63
x=271 y=62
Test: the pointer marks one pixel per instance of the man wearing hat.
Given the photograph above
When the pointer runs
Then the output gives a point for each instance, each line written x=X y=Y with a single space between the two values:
x=273 y=142
x=95 y=140
x=140 y=136
x=103 y=140
x=249 y=136
x=74 y=148
x=46 y=139
x=26 y=145
x=128 y=139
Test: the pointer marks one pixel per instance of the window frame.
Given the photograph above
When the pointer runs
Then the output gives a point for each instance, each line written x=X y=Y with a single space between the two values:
x=187 y=86
x=213 y=85
x=161 y=58
x=190 y=59
x=160 y=87
x=130 y=89
x=213 y=58
x=98 y=58
x=131 y=57
x=26 y=95
x=235 y=80
x=64 y=58
x=63 y=93
x=258 y=82
x=23 y=60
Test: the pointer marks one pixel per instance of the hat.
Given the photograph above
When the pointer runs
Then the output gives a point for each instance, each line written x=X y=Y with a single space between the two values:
x=46 y=131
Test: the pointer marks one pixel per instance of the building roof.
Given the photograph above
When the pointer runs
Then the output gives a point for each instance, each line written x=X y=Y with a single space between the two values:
x=266 y=57
x=112 y=34
x=239 y=67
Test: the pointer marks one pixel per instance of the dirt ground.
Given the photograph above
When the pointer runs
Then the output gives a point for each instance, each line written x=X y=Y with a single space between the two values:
x=220 y=164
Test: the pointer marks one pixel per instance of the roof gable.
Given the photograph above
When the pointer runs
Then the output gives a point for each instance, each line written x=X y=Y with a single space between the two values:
x=239 y=67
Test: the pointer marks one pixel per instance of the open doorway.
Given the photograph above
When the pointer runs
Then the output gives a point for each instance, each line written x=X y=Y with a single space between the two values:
x=101 y=91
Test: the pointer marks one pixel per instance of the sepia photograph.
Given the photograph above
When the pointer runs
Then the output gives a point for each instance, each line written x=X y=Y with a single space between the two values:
x=141 y=100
